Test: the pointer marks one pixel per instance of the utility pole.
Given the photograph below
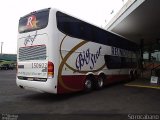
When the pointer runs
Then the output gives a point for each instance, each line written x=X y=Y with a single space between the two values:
x=1 y=46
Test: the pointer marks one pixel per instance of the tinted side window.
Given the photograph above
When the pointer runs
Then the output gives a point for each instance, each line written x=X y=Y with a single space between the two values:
x=112 y=62
x=116 y=62
x=74 y=27
x=82 y=30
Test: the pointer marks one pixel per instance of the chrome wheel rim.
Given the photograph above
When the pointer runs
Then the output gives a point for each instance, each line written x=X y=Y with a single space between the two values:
x=100 y=82
x=88 y=84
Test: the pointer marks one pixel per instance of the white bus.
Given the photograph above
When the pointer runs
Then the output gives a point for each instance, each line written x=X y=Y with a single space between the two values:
x=58 y=53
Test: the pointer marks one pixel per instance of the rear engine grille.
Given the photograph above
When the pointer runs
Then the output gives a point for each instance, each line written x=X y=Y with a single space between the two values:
x=32 y=53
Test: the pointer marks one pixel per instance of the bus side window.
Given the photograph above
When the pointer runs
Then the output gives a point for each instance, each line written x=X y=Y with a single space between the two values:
x=112 y=62
x=116 y=62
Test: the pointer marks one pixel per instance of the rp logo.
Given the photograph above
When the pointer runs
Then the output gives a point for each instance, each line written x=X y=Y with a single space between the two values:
x=32 y=22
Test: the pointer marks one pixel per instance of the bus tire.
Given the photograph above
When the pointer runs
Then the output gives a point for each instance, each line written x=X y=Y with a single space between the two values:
x=131 y=75
x=88 y=84
x=100 y=82
x=135 y=74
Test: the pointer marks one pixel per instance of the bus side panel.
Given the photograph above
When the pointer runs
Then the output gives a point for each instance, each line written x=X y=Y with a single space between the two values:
x=115 y=78
x=70 y=83
x=78 y=58
x=74 y=83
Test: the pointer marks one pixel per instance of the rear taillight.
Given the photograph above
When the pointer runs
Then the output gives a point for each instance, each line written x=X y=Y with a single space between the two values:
x=50 y=69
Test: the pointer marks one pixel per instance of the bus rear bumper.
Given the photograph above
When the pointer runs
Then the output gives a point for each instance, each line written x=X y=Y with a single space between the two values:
x=43 y=87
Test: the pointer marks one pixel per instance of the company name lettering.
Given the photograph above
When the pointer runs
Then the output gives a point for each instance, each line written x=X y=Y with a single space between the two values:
x=85 y=58
x=119 y=52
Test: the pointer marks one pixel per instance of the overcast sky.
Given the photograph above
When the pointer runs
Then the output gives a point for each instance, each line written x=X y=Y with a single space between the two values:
x=93 y=11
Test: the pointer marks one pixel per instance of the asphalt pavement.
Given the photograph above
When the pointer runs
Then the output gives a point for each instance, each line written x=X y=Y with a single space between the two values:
x=114 y=101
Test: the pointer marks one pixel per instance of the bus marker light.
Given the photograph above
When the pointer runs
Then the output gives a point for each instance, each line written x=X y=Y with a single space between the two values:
x=50 y=69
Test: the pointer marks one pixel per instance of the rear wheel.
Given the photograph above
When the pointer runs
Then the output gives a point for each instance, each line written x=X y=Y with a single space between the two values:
x=100 y=82
x=135 y=74
x=88 y=85
x=131 y=76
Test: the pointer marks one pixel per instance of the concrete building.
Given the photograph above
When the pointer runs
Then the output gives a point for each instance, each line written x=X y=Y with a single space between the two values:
x=139 y=21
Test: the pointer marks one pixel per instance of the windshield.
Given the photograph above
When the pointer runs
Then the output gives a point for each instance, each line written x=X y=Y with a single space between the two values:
x=34 y=21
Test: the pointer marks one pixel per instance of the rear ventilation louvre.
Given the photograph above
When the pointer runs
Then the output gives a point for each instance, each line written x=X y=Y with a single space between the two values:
x=32 y=53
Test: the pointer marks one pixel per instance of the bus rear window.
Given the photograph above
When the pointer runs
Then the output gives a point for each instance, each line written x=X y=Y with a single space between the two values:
x=34 y=21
